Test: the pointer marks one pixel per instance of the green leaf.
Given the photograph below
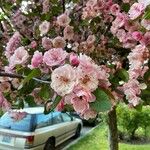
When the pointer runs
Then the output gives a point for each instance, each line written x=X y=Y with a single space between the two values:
x=147 y=75
x=20 y=103
x=30 y=101
x=123 y=75
x=126 y=7
x=147 y=14
x=45 y=92
x=139 y=107
x=34 y=73
x=54 y=105
x=102 y=102
x=27 y=88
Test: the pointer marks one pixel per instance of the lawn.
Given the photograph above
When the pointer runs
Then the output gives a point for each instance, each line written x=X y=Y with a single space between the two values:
x=97 y=140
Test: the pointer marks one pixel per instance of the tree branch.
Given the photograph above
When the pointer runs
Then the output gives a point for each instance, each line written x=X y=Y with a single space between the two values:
x=4 y=74
x=63 y=3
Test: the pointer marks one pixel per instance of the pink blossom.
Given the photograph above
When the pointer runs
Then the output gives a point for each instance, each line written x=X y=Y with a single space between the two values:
x=63 y=79
x=115 y=9
x=132 y=91
x=145 y=2
x=137 y=57
x=15 y=82
x=46 y=6
x=37 y=59
x=146 y=39
x=44 y=27
x=81 y=98
x=86 y=94
x=20 y=56
x=1 y=98
x=135 y=101
x=17 y=116
x=103 y=77
x=63 y=20
x=89 y=114
x=54 y=57
x=120 y=20
x=47 y=43
x=12 y=44
x=4 y=79
x=5 y=87
x=68 y=98
x=87 y=64
x=91 y=39
x=114 y=29
x=33 y=44
x=8 y=69
x=18 y=18
x=136 y=10
x=80 y=105
x=4 y=104
x=60 y=106
x=129 y=41
x=74 y=60
x=91 y=3
x=137 y=35
x=87 y=80
x=121 y=35
x=68 y=32
x=126 y=1
x=59 y=42
x=146 y=24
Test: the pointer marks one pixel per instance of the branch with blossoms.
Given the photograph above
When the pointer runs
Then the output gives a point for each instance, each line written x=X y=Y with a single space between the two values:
x=89 y=55
x=4 y=74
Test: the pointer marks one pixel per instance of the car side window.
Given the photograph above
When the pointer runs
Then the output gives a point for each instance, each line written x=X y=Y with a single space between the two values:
x=57 y=119
x=66 y=117
x=43 y=120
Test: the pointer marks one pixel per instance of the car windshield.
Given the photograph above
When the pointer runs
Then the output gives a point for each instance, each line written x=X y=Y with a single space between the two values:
x=26 y=124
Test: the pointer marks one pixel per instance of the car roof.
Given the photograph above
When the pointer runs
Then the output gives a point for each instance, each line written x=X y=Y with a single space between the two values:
x=32 y=110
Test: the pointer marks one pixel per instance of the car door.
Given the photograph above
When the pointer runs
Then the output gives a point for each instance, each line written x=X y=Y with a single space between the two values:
x=70 y=125
x=59 y=130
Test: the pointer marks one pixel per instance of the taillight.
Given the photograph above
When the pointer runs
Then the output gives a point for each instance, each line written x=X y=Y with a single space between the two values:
x=29 y=141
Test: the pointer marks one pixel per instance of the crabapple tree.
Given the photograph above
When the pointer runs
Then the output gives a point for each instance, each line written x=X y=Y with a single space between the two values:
x=75 y=55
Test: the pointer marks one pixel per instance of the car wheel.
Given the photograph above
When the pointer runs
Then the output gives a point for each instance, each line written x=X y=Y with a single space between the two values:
x=50 y=144
x=78 y=131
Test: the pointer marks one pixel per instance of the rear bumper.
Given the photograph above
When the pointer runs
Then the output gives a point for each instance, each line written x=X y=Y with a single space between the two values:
x=4 y=147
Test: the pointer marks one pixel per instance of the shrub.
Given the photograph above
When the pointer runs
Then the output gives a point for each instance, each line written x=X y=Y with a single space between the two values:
x=129 y=120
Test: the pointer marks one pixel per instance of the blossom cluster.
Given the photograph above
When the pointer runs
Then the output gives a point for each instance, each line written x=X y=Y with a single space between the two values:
x=126 y=28
x=76 y=82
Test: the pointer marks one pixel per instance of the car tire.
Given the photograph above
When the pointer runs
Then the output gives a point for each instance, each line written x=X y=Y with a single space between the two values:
x=78 y=131
x=50 y=144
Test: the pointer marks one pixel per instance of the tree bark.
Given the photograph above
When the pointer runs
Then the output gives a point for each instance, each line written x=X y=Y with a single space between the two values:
x=112 y=130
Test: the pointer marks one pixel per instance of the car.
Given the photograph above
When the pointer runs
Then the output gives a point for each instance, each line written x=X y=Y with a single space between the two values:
x=37 y=131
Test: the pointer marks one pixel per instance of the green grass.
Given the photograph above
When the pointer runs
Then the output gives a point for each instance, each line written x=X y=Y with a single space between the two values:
x=97 y=140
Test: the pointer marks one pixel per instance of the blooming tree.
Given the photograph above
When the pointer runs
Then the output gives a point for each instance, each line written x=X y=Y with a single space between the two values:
x=74 y=55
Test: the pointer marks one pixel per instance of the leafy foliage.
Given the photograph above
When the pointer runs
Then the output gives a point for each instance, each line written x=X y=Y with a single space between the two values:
x=102 y=102
x=131 y=119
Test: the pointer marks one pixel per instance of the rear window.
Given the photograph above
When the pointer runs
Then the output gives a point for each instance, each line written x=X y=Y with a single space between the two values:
x=27 y=124
x=31 y=121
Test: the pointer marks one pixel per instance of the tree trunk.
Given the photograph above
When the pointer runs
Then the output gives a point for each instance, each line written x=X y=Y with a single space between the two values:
x=112 y=130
